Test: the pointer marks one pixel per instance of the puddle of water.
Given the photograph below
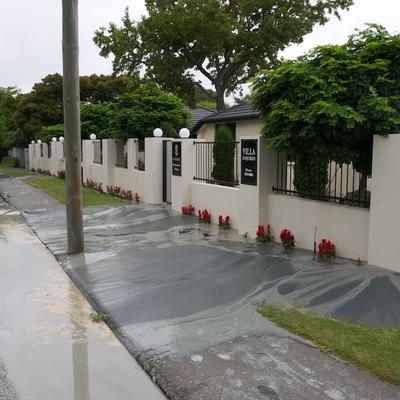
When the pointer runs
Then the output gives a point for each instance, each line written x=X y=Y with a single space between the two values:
x=50 y=345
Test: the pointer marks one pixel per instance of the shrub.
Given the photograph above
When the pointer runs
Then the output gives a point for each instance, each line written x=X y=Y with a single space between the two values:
x=224 y=155
x=61 y=174
x=9 y=162
x=287 y=239
x=137 y=197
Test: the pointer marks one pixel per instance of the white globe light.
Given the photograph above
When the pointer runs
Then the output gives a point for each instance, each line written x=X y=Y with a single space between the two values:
x=184 y=133
x=33 y=142
x=54 y=139
x=92 y=136
x=158 y=132
x=61 y=139
x=39 y=141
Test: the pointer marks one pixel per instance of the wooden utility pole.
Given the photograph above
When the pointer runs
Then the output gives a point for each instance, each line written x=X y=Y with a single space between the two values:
x=72 y=127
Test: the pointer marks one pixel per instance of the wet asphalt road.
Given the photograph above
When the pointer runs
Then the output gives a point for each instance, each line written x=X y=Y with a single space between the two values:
x=181 y=296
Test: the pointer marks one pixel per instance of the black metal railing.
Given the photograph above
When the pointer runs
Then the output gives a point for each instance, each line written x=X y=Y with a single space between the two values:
x=49 y=150
x=343 y=184
x=217 y=163
x=98 y=152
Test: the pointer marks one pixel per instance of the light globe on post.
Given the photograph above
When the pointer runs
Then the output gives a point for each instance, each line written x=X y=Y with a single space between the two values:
x=54 y=139
x=184 y=133
x=39 y=141
x=61 y=139
x=157 y=132
x=33 y=142
x=92 y=136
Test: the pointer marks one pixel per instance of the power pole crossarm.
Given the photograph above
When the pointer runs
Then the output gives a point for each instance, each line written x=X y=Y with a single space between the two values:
x=72 y=127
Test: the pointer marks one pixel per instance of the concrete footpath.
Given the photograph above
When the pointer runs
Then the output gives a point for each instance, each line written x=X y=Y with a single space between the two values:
x=181 y=296
x=49 y=347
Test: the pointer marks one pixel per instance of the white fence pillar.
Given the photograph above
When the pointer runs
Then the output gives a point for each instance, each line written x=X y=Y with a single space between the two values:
x=181 y=185
x=253 y=199
x=154 y=170
x=383 y=244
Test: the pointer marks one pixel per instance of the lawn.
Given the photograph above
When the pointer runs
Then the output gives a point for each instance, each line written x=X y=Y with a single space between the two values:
x=15 y=172
x=374 y=350
x=55 y=187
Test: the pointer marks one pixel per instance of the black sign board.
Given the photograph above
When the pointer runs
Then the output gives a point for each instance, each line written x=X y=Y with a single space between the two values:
x=248 y=159
x=177 y=158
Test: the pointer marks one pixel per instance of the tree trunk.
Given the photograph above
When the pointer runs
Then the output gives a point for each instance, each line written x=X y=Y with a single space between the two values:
x=220 y=98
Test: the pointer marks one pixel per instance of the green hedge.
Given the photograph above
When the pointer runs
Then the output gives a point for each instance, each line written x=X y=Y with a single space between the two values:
x=9 y=162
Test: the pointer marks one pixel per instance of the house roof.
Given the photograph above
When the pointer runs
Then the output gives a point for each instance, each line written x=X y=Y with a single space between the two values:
x=235 y=113
x=198 y=113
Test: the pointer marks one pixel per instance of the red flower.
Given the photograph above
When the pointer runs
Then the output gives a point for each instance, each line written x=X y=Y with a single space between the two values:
x=326 y=248
x=260 y=231
x=220 y=220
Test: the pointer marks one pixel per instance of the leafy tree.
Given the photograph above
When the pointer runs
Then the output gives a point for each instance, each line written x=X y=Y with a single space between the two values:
x=223 y=155
x=96 y=118
x=226 y=41
x=8 y=102
x=138 y=113
x=48 y=132
x=43 y=106
x=328 y=104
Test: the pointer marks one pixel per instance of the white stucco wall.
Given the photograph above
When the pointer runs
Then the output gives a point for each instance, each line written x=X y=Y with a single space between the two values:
x=347 y=227
x=206 y=132
x=384 y=248
x=220 y=200
x=248 y=128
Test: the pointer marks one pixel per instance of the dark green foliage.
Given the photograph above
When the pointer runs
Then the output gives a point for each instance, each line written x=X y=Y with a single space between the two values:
x=96 y=118
x=48 y=132
x=310 y=175
x=8 y=103
x=224 y=155
x=9 y=162
x=43 y=106
x=138 y=113
x=329 y=103
x=226 y=41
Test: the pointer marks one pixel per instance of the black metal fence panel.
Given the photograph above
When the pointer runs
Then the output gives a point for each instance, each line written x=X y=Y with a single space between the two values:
x=344 y=184
x=217 y=163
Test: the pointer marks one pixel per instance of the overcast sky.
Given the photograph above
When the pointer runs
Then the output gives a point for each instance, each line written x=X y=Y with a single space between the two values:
x=30 y=34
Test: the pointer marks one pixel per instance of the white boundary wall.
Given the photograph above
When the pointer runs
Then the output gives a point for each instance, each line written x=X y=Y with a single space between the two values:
x=148 y=183
x=54 y=164
x=346 y=226
x=357 y=233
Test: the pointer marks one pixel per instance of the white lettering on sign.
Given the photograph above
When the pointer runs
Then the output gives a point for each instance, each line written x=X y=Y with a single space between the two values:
x=248 y=152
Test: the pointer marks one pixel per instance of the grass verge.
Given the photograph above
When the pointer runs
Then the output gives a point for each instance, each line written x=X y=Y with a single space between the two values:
x=55 y=187
x=16 y=172
x=374 y=350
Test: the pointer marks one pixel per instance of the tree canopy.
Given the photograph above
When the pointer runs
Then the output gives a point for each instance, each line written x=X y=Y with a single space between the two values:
x=43 y=106
x=8 y=103
x=224 y=40
x=136 y=114
x=328 y=104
